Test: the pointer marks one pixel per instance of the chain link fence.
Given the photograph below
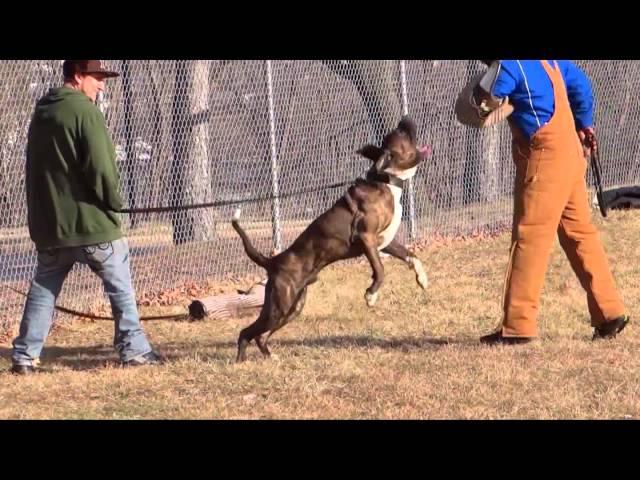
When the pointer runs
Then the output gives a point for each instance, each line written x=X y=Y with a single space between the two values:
x=189 y=132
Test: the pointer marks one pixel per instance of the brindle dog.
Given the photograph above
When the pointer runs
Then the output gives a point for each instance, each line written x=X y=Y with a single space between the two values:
x=364 y=221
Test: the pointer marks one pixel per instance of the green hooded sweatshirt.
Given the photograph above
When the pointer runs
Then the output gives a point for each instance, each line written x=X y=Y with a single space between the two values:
x=72 y=179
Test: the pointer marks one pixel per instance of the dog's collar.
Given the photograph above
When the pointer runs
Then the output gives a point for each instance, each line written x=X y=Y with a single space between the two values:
x=374 y=176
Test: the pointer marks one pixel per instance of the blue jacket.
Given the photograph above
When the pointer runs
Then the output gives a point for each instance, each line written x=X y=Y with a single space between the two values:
x=530 y=92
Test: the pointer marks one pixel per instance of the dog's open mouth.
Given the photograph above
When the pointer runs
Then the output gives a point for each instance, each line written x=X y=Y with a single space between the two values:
x=425 y=150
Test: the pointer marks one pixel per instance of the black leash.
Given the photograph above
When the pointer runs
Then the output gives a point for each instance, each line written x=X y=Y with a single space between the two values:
x=595 y=167
x=178 y=316
x=222 y=203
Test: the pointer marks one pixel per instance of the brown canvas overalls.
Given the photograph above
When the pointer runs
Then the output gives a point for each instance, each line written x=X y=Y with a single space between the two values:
x=551 y=195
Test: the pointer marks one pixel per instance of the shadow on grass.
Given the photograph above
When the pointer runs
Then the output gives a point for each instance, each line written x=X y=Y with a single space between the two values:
x=101 y=356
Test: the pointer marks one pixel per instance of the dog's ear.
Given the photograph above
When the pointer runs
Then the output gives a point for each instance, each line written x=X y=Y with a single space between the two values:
x=408 y=126
x=371 y=152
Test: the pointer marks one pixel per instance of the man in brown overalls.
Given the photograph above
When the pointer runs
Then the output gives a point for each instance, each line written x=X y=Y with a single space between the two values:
x=551 y=122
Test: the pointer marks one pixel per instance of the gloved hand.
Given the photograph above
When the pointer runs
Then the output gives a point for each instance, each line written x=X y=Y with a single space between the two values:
x=588 y=138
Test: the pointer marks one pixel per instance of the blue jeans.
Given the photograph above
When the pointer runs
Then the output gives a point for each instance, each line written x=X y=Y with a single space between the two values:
x=110 y=261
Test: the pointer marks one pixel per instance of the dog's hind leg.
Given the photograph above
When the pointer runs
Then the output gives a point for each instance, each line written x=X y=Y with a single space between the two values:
x=397 y=250
x=295 y=312
x=261 y=341
x=280 y=299
x=265 y=321
x=253 y=331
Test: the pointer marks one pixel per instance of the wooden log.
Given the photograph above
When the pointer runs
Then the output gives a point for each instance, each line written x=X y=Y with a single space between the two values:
x=232 y=305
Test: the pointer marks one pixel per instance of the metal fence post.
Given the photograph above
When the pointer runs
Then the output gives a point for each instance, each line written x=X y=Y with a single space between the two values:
x=100 y=101
x=410 y=191
x=276 y=233
x=130 y=161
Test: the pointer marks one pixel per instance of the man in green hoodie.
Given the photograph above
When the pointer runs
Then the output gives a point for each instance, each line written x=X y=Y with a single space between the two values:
x=73 y=199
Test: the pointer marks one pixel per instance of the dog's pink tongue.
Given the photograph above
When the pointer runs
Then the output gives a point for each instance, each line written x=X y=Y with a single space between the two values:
x=425 y=150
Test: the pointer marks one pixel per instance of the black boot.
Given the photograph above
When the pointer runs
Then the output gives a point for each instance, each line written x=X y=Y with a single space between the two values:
x=610 y=329
x=497 y=338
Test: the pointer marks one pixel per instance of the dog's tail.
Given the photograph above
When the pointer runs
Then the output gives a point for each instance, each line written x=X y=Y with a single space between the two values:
x=253 y=254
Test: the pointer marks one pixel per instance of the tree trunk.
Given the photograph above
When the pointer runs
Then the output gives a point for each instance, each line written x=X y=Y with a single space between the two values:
x=190 y=165
x=376 y=83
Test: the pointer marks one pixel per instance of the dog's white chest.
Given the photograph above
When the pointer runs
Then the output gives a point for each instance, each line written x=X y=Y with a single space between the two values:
x=389 y=233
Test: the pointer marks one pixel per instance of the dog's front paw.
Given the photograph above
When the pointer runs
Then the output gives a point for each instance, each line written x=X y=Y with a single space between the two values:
x=421 y=275
x=422 y=280
x=371 y=298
